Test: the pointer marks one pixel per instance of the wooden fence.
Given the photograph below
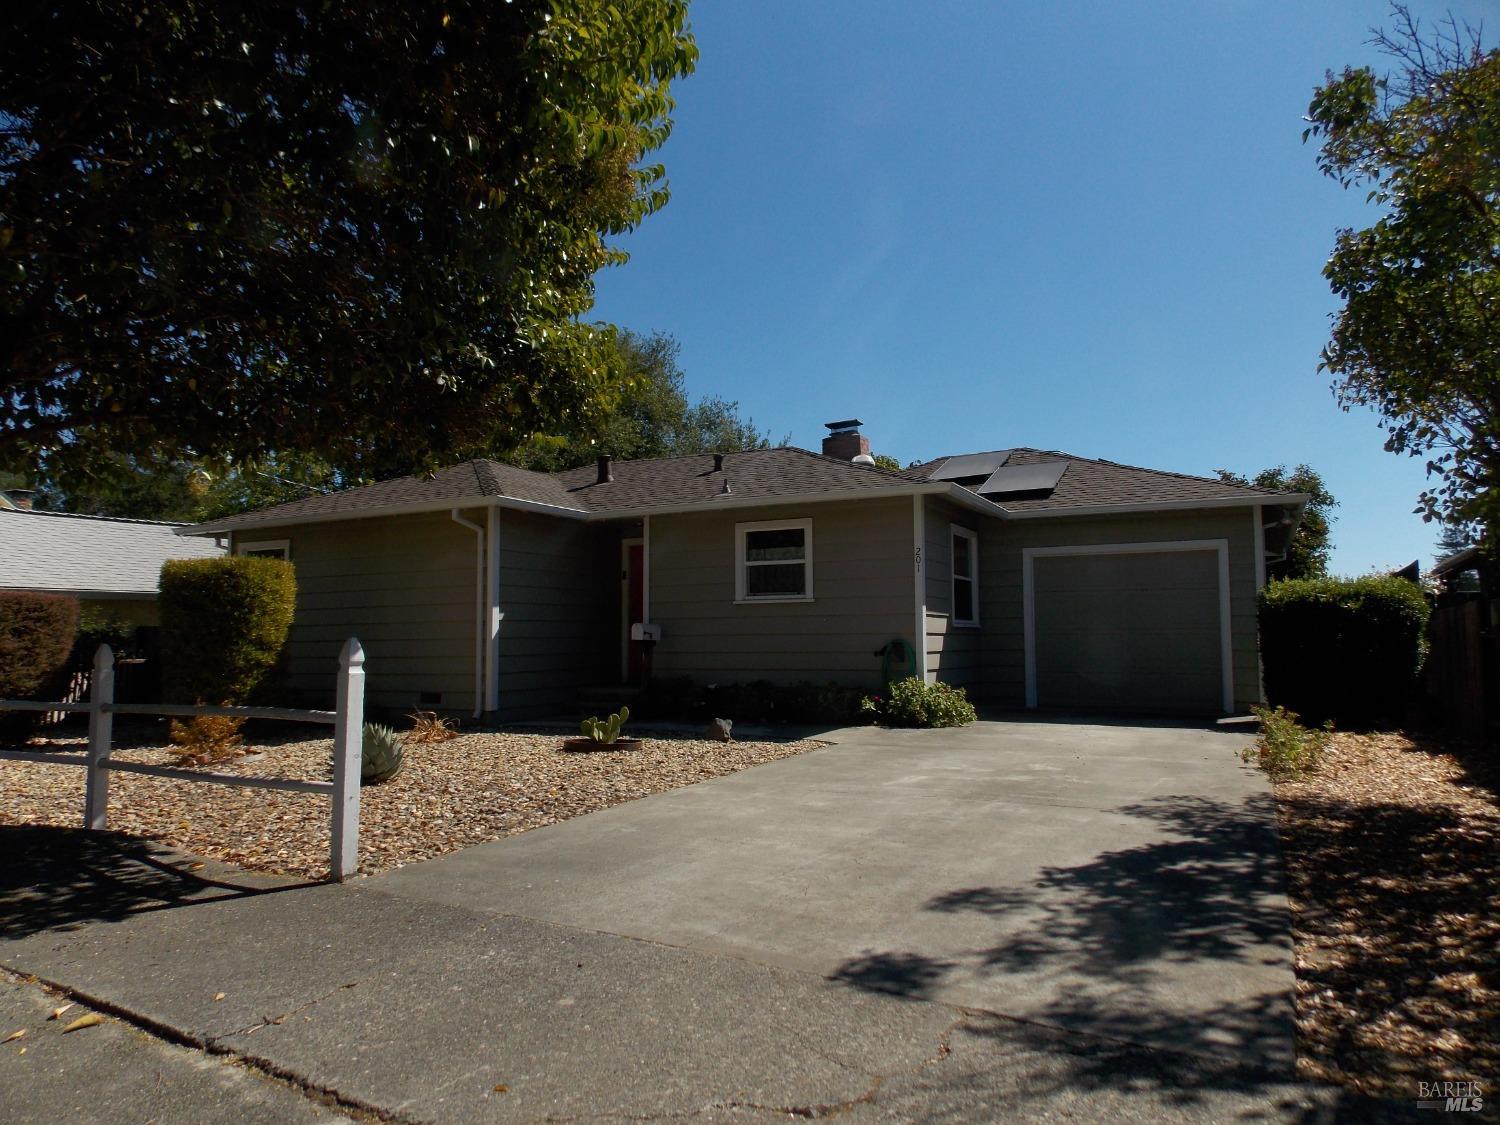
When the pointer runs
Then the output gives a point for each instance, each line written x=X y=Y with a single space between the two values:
x=1463 y=666
x=347 y=721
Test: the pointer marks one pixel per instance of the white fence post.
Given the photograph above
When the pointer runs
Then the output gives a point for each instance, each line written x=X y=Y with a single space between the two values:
x=101 y=735
x=348 y=742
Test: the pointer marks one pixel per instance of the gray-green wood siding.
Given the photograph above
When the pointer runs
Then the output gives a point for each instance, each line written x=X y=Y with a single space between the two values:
x=1003 y=679
x=954 y=652
x=863 y=589
x=559 y=596
x=404 y=585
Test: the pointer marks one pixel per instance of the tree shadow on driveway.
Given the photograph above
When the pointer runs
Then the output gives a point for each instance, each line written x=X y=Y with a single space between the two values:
x=60 y=879
x=1178 y=946
x=1211 y=891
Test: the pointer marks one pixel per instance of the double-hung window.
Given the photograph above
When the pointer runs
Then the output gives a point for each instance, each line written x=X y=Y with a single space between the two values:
x=774 y=561
x=965 y=576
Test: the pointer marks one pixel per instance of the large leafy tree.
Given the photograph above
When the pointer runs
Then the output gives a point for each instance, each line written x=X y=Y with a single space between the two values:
x=365 y=231
x=650 y=416
x=1307 y=553
x=113 y=484
x=1418 y=337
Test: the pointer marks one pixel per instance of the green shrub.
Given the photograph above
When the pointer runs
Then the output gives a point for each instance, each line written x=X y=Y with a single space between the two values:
x=36 y=639
x=1346 y=649
x=1284 y=747
x=224 y=622
x=98 y=626
x=913 y=702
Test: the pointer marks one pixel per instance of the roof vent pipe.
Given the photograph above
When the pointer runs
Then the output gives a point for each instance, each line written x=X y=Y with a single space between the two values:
x=606 y=473
x=724 y=489
x=718 y=462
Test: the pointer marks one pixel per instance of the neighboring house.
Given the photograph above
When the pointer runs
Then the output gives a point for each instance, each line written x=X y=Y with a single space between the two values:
x=1031 y=578
x=109 y=564
x=17 y=499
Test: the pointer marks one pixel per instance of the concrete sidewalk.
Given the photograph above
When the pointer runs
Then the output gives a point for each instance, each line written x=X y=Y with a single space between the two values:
x=51 y=1076
x=440 y=993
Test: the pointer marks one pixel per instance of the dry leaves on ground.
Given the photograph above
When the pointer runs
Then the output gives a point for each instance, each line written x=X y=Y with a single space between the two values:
x=448 y=795
x=1393 y=857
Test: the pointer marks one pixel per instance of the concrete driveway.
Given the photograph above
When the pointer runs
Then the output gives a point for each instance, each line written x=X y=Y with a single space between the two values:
x=1120 y=880
x=1015 y=921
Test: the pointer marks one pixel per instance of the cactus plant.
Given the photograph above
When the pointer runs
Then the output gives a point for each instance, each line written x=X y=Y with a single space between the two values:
x=381 y=753
x=607 y=730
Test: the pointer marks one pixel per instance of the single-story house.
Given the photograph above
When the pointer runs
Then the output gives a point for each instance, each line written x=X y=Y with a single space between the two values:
x=1032 y=578
x=111 y=565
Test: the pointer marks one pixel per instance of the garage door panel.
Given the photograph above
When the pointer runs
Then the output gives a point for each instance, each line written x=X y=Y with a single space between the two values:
x=1137 y=608
x=1184 y=571
x=1129 y=631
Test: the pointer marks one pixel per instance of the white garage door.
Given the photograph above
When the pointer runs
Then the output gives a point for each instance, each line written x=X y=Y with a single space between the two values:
x=1132 y=628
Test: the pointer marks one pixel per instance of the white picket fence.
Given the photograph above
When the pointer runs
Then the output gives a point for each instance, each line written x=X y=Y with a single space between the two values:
x=347 y=722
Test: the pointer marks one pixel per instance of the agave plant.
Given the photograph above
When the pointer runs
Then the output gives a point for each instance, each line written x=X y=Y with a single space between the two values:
x=380 y=754
x=607 y=730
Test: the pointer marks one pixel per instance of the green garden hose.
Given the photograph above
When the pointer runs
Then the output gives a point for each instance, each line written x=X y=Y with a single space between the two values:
x=893 y=651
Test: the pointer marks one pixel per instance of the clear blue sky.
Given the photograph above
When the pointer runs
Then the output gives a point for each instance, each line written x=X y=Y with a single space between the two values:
x=1087 y=227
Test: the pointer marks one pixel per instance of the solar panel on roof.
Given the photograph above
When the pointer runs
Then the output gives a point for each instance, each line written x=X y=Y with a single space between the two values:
x=1040 y=477
x=969 y=465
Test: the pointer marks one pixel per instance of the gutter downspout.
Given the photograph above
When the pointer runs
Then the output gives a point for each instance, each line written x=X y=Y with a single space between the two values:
x=1258 y=540
x=479 y=613
x=919 y=583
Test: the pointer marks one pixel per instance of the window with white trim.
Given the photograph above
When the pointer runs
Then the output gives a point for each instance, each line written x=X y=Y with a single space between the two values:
x=773 y=561
x=266 y=549
x=965 y=557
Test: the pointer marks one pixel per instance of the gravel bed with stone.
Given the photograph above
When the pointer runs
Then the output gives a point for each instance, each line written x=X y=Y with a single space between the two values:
x=448 y=795
x=1392 y=847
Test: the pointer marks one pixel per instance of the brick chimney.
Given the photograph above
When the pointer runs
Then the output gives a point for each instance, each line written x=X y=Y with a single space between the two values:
x=844 y=440
x=22 y=498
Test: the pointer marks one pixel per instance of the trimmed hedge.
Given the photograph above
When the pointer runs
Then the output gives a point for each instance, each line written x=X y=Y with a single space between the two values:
x=36 y=639
x=1345 y=649
x=224 y=622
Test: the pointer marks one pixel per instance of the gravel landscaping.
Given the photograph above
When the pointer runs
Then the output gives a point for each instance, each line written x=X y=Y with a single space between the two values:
x=1393 y=857
x=448 y=795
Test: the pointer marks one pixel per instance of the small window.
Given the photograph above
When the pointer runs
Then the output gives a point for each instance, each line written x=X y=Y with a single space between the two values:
x=774 y=561
x=965 y=577
x=266 y=549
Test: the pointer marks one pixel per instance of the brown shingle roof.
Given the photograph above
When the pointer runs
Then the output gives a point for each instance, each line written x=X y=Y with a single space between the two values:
x=760 y=474
x=660 y=482
x=469 y=482
x=1089 y=484
x=752 y=475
